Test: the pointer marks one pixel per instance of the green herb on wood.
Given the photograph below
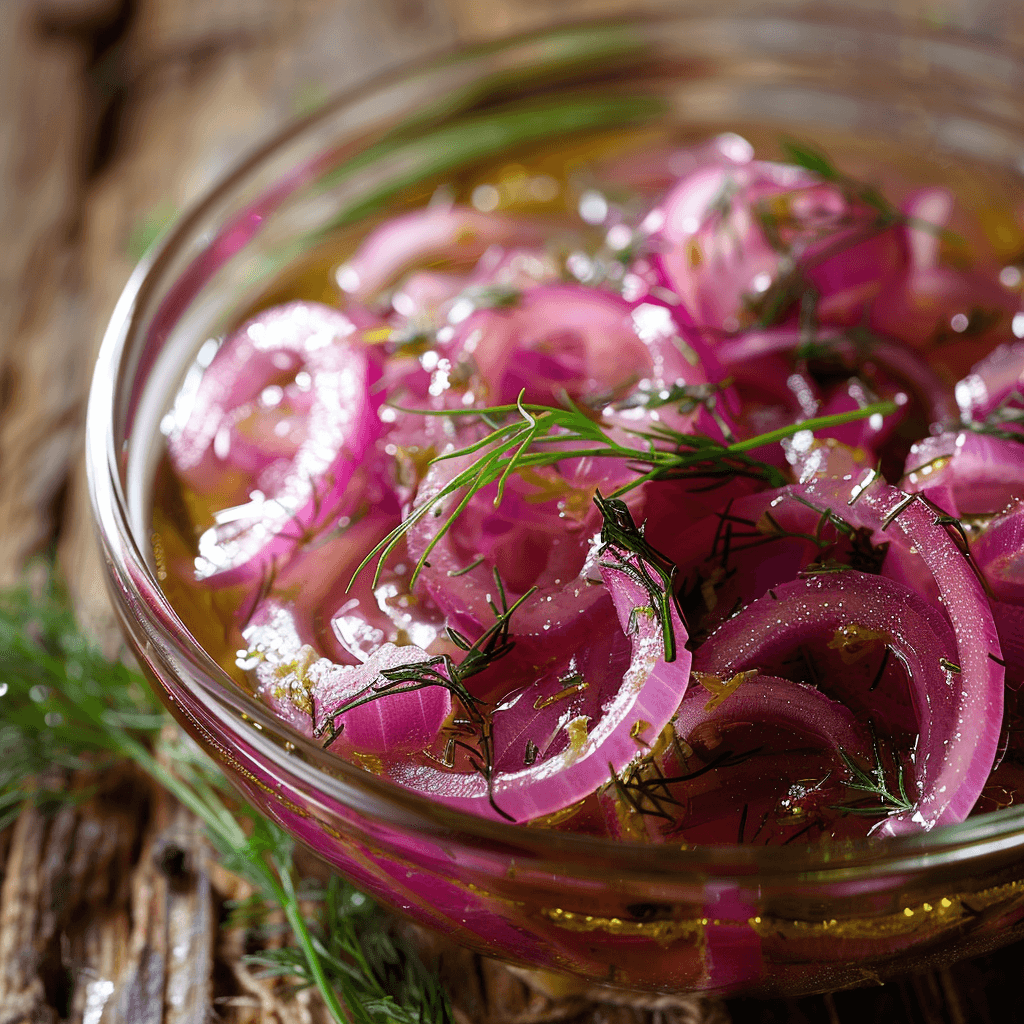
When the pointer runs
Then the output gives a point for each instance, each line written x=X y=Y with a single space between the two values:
x=64 y=705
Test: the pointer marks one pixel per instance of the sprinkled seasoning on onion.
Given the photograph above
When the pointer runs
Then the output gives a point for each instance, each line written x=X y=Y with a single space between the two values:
x=471 y=529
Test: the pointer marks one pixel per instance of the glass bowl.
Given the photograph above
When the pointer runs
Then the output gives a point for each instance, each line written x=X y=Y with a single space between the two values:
x=725 y=919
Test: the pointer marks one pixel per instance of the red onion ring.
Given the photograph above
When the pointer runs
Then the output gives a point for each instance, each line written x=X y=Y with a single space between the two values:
x=301 y=493
x=955 y=761
x=596 y=730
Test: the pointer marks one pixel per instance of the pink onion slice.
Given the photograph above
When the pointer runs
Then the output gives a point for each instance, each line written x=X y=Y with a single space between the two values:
x=942 y=301
x=449 y=233
x=575 y=734
x=309 y=691
x=993 y=381
x=633 y=362
x=900 y=361
x=301 y=341
x=975 y=473
x=732 y=556
x=793 y=706
x=917 y=634
x=553 y=339
x=395 y=716
x=998 y=551
x=542 y=534
x=955 y=761
x=716 y=256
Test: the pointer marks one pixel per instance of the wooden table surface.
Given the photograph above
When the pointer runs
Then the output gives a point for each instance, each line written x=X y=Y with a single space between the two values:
x=114 y=114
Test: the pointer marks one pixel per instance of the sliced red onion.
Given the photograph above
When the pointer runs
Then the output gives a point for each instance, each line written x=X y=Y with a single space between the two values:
x=541 y=535
x=299 y=342
x=967 y=473
x=992 y=382
x=955 y=759
x=926 y=298
x=771 y=705
x=1009 y=620
x=558 y=340
x=284 y=638
x=716 y=256
x=557 y=740
x=734 y=555
x=394 y=719
x=450 y=233
x=308 y=691
x=998 y=551
x=916 y=634
x=554 y=340
x=771 y=700
x=941 y=301
x=751 y=347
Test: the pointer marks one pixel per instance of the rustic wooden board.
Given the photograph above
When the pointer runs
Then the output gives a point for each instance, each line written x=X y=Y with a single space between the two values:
x=110 y=110
x=111 y=908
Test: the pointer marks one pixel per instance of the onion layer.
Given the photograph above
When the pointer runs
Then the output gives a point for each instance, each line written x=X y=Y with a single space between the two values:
x=312 y=348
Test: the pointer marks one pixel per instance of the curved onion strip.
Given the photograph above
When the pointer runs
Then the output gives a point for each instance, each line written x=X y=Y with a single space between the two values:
x=717 y=256
x=903 y=362
x=779 y=702
x=1010 y=623
x=955 y=760
x=307 y=690
x=998 y=551
x=917 y=635
x=453 y=233
x=389 y=722
x=925 y=302
x=340 y=425
x=983 y=474
x=991 y=382
x=540 y=535
x=604 y=728
x=553 y=339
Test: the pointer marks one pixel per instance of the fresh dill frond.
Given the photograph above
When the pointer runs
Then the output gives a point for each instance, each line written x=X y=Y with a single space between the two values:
x=64 y=705
x=872 y=781
x=647 y=567
x=525 y=436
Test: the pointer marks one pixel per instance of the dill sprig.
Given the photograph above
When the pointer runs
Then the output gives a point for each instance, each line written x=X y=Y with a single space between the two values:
x=872 y=782
x=643 y=564
x=441 y=670
x=524 y=436
x=64 y=705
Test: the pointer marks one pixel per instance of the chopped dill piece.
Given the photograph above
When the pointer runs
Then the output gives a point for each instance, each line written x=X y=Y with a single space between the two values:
x=873 y=782
x=886 y=652
x=621 y=536
x=466 y=568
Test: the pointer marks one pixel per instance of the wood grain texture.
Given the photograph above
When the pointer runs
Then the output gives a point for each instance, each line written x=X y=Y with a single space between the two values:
x=111 y=908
